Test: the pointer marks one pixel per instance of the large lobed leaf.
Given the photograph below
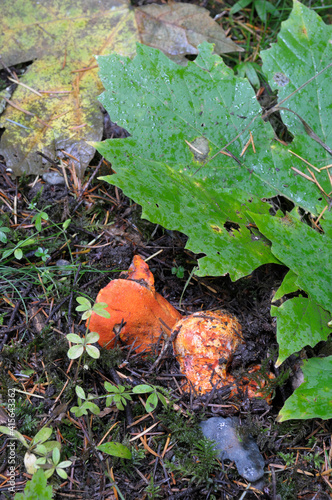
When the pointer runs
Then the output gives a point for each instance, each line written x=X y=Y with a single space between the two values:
x=304 y=51
x=300 y=322
x=304 y=250
x=173 y=113
x=313 y=399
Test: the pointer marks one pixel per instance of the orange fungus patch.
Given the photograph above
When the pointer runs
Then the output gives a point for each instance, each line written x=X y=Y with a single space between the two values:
x=137 y=312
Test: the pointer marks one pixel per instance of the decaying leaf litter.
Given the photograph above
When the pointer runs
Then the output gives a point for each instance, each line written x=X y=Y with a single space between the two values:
x=54 y=109
x=124 y=238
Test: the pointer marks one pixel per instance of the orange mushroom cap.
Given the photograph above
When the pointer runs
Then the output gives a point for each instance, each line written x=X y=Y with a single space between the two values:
x=137 y=306
x=204 y=346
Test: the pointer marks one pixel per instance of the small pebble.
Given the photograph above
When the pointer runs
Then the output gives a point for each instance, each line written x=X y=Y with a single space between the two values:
x=64 y=263
x=53 y=178
x=234 y=445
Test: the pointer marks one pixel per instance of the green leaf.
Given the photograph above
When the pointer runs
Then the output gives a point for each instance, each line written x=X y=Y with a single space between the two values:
x=51 y=445
x=86 y=314
x=92 y=407
x=84 y=304
x=151 y=402
x=305 y=251
x=41 y=449
x=302 y=51
x=142 y=389
x=99 y=308
x=241 y=4
x=75 y=351
x=119 y=404
x=13 y=433
x=162 y=399
x=66 y=224
x=64 y=464
x=287 y=286
x=80 y=392
x=56 y=456
x=3 y=236
x=17 y=253
x=300 y=322
x=92 y=337
x=72 y=337
x=79 y=411
x=36 y=489
x=115 y=449
x=93 y=351
x=42 y=435
x=49 y=472
x=62 y=473
x=172 y=112
x=313 y=399
x=110 y=387
x=263 y=7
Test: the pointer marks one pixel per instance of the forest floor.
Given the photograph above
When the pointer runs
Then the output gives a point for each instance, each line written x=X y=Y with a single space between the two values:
x=65 y=260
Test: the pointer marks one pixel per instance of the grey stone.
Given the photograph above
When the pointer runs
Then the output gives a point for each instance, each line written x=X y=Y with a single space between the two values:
x=53 y=178
x=235 y=445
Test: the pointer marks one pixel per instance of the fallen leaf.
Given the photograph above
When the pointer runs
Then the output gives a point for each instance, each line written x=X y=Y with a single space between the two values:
x=61 y=38
x=178 y=28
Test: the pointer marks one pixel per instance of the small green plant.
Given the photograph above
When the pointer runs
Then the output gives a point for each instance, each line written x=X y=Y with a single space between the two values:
x=40 y=447
x=83 y=344
x=120 y=395
x=178 y=271
x=39 y=217
x=314 y=458
x=42 y=253
x=3 y=232
x=288 y=458
x=87 y=309
x=117 y=394
x=198 y=464
x=153 y=491
x=36 y=489
x=52 y=464
x=84 y=403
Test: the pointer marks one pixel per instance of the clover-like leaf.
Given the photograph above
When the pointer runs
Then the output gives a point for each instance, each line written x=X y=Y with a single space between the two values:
x=75 y=351
x=80 y=392
x=72 y=337
x=93 y=351
x=92 y=337
x=99 y=308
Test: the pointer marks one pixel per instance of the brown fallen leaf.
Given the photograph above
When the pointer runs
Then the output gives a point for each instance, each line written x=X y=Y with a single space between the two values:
x=178 y=28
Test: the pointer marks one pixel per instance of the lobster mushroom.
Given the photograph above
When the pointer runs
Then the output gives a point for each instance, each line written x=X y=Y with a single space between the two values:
x=137 y=312
x=204 y=346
